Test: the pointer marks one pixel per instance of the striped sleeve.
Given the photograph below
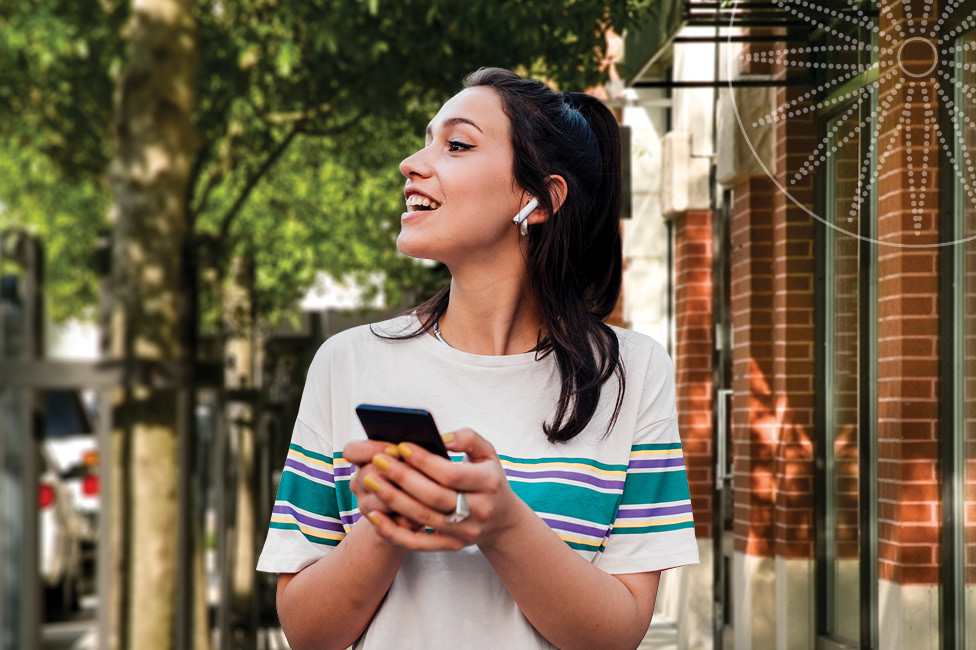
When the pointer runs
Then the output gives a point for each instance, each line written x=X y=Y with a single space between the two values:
x=653 y=528
x=306 y=521
x=575 y=496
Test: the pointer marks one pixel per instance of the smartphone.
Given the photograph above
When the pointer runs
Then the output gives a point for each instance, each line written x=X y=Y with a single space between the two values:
x=396 y=425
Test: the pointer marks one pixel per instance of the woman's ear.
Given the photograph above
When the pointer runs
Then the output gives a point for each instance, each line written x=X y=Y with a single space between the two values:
x=557 y=194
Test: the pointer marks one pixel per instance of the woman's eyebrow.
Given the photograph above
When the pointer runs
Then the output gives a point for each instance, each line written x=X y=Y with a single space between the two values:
x=451 y=121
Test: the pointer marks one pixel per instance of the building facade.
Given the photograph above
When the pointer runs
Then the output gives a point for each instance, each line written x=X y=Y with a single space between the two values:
x=805 y=195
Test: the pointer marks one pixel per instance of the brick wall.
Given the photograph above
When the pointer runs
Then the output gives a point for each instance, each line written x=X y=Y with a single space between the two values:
x=753 y=406
x=617 y=315
x=694 y=346
x=772 y=269
x=793 y=329
x=908 y=494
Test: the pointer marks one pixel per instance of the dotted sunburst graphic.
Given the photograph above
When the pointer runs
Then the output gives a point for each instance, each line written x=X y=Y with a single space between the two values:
x=916 y=67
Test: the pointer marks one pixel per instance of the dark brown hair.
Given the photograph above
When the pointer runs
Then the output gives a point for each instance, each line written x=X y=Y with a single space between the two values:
x=574 y=257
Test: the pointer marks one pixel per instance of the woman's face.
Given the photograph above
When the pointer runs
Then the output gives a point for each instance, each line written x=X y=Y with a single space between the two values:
x=460 y=192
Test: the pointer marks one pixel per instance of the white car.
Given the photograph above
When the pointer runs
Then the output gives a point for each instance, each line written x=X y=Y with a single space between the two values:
x=70 y=440
x=61 y=536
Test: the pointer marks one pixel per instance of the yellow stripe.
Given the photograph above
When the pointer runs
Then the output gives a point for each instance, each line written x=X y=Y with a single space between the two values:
x=656 y=452
x=315 y=461
x=655 y=522
x=588 y=468
x=585 y=542
x=305 y=529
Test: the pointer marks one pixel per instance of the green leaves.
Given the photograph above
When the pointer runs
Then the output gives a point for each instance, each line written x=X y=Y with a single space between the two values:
x=354 y=81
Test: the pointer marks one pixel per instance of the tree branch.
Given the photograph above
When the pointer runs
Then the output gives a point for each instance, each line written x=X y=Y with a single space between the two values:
x=212 y=180
x=252 y=181
x=191 y=212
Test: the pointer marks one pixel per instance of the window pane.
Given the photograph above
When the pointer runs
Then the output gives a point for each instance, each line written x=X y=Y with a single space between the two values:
x=963 y=125
x=842 y=377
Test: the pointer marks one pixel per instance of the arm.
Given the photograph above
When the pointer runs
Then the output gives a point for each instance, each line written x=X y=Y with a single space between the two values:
x=331 y=602
x=572 y=603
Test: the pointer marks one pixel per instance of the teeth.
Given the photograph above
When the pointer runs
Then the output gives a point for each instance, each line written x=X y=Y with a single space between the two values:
x=417 y=199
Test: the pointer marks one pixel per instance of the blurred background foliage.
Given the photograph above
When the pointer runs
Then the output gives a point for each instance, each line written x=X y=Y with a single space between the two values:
x=303 y=111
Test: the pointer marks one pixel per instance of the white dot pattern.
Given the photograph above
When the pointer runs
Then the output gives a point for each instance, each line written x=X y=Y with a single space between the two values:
x=916 y=74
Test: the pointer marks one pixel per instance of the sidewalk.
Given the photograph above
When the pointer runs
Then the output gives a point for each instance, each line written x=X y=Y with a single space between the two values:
x=662 y=635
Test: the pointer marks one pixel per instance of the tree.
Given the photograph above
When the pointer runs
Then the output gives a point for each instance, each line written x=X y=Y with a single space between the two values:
x=352 y=82
x=273 y=143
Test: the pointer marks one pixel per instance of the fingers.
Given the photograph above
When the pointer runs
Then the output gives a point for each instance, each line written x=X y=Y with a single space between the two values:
x=480 y=475
x=471 y=443
x=415 y=539
x=362 y=451
x=404 y=490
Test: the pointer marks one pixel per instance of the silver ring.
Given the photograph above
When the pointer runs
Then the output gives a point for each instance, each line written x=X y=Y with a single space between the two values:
x=461 y=511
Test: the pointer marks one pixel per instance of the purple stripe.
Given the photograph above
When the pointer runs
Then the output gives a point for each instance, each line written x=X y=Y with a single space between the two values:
x=655 y=512
x=576 y=528
x=656 y=463
x=349 y=520
x=345 y=470
x=574 y=476
x=308 y=520
x=311 y=471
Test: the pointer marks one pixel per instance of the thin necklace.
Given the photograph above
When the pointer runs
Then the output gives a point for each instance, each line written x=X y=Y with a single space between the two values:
x=437 y=333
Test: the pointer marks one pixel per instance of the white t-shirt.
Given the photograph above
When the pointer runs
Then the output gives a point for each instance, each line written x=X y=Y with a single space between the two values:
x=621 y=501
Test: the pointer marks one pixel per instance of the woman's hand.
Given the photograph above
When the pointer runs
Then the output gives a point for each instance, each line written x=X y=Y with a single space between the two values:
x=422 y=487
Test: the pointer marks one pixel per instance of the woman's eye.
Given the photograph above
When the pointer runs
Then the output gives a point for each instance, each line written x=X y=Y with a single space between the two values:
x=455 y=145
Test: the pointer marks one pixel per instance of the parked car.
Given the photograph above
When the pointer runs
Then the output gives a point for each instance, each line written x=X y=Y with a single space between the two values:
x=70 y=440
x=61 y=538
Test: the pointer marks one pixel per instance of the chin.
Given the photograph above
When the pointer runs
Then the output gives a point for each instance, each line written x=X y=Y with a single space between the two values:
x=412 y=248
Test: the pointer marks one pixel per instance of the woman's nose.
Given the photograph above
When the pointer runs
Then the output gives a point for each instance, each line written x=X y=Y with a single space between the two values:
x=415 y=165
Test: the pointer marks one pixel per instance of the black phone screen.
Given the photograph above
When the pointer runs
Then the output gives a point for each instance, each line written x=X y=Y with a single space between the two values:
x=396 y=425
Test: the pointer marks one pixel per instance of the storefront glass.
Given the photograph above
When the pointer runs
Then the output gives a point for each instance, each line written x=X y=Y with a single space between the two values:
x=964 y=127
x=843 y=303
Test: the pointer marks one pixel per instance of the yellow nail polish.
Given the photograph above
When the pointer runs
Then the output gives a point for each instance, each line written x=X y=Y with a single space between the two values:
x=391 y=450
x=447 y=437
x=404 y=450
x=381 y=462
x=371 y=484
x=372 y=518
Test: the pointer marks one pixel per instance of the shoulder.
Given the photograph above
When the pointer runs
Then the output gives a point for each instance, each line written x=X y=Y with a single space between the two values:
x=639 y=351
x=365 y=339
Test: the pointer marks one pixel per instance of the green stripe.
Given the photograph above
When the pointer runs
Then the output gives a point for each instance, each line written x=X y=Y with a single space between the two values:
x=558 y=460
x=569 y=501
x=311 y=454
x=667 y=446
x=643 y=530
x=583 y=547
x=316 y=540
x=308 y=495
x=655 y=487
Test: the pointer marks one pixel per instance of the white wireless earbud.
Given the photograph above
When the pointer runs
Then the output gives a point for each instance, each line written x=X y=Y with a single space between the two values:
x=521 y=218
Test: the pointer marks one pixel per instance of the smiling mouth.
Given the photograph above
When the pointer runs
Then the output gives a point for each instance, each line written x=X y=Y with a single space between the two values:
x=419 y=202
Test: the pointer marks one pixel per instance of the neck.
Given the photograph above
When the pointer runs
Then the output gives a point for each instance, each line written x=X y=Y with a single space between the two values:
x=491 y=316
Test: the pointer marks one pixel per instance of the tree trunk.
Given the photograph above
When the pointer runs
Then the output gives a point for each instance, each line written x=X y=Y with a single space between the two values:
x=154 y=144
x=237 y=307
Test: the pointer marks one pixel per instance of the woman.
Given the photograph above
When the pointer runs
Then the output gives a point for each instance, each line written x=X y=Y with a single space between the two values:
x=572 y=468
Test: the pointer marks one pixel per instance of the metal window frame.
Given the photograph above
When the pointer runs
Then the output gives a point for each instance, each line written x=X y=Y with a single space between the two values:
x=952 y=459
x=867 y=409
